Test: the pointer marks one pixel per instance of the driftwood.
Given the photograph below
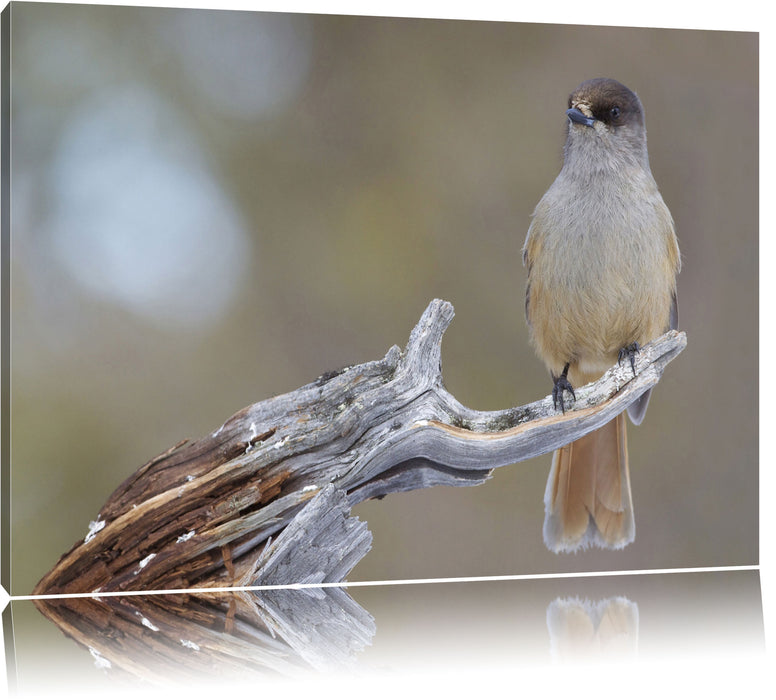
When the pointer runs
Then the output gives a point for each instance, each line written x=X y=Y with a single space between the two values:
x=201 y=514
x=205 y=635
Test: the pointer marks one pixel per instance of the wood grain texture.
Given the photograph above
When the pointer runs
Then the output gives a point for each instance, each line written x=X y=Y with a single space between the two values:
x=200 y=514
x=224 y=635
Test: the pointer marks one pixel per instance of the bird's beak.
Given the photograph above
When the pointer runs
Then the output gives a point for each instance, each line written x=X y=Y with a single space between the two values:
x=576 y=116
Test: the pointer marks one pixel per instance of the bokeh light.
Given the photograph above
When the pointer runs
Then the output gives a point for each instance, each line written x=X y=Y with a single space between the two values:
x=137 y=217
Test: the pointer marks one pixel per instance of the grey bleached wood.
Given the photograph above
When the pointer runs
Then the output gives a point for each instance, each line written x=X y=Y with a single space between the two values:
x=320 y=545
x=325 y=626
x=201 y=513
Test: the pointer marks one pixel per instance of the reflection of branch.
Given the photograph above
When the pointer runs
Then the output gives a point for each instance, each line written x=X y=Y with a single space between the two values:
x=158 y=636
x=201 y=513
x=166 y=637
x=324 y=626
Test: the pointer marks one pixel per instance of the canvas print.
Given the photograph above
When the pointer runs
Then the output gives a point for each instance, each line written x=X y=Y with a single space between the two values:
x=300 y=299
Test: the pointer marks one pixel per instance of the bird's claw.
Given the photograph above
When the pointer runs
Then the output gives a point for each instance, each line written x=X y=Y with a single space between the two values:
x=629 y=351
x=561 y=384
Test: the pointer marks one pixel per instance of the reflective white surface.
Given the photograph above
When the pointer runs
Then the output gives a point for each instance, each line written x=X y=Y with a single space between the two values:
x=434 y=631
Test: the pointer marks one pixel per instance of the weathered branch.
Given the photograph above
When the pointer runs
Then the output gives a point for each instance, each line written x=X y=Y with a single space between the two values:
x=201 y=513
x=277 y=630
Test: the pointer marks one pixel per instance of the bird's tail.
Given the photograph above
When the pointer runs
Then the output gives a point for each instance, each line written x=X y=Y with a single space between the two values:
x=588 y=497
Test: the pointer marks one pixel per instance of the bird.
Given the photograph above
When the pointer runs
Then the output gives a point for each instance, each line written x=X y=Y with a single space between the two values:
x=602 y=259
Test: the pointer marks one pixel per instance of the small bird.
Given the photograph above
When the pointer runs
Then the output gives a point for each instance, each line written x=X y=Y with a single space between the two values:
x=602 y=259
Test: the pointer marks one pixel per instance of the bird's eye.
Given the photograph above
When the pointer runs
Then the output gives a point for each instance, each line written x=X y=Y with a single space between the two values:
x=614 y=112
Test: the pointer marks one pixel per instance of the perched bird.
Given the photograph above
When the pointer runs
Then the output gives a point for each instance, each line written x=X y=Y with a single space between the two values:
x=602 y=260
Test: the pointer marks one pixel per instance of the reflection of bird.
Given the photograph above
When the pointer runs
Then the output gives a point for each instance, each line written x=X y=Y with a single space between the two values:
x=602 y=260
x=583 y=630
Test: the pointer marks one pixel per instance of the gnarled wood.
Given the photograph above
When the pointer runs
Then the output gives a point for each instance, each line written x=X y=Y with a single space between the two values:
x=202 y=634
x=200 y=514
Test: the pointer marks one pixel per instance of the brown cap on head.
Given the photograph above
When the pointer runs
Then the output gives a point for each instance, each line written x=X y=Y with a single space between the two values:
x=607 y=101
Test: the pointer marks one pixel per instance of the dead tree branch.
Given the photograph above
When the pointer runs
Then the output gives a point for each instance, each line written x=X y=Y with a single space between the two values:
x=238 y=633
x=201 y=514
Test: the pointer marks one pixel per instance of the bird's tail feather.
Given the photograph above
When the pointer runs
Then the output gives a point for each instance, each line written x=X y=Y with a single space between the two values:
x=588 y=497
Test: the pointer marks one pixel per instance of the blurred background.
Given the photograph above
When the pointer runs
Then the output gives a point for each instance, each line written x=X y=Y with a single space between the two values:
x=210 y=208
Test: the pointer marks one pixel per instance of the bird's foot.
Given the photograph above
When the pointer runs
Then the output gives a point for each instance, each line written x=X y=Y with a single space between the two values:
x=629 y=351
x=561 y=384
